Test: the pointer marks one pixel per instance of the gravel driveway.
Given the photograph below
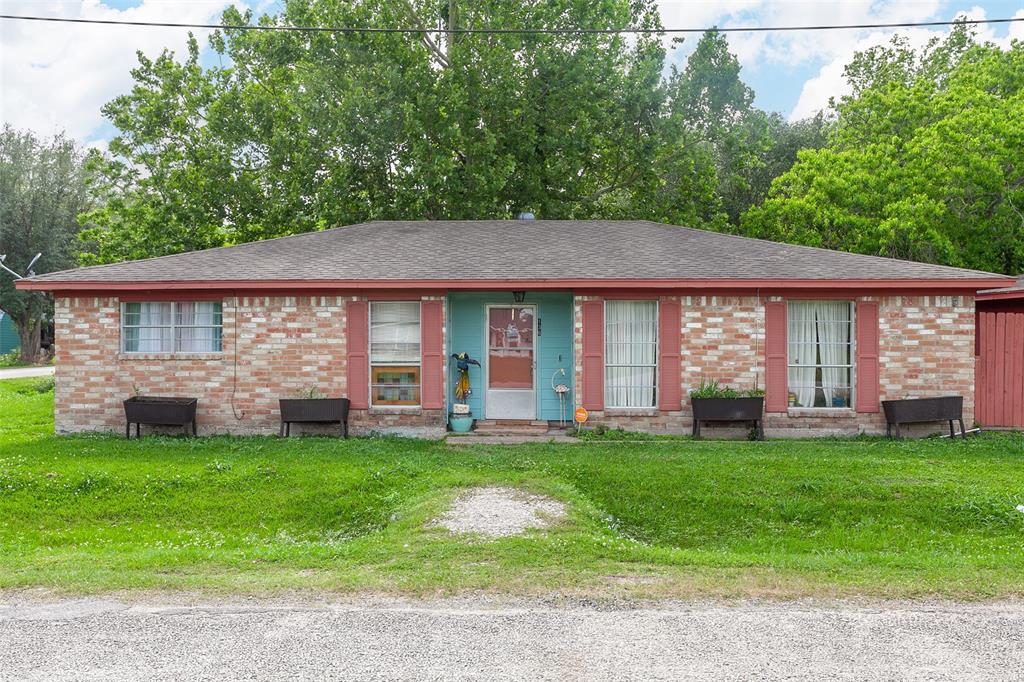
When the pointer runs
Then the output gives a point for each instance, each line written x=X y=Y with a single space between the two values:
x=479 y=638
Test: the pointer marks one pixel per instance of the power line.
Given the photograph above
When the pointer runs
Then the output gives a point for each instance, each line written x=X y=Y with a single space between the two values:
x=526 y=31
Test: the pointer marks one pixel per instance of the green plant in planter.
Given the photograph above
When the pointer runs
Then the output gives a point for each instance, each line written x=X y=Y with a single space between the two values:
x=710 y=389
x=311 y=393
x=713 y=389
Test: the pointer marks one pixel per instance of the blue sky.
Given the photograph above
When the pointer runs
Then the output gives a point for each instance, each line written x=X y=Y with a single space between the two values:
x=57 y=77
x=778 y=85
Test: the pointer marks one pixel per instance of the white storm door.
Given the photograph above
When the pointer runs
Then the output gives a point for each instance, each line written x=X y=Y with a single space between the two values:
x=511 y=388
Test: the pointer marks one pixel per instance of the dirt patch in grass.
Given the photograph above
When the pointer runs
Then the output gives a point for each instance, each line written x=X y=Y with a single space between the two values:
x=497 y=512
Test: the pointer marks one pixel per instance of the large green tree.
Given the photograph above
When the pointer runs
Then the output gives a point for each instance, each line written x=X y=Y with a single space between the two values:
x=712 y=108
x=925 y=160
x=43 y=188
x=300 y=131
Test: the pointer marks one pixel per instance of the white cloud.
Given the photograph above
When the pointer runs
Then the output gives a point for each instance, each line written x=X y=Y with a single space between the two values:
x=801 y=46
x=816 y=91
x=57 y=76
x=829 y=82
x=794 y=47
x=827 y=51
x=1016 y=32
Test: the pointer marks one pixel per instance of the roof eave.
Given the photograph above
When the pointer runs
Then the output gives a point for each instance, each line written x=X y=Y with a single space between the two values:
x=960 y=284
x=1001 y=294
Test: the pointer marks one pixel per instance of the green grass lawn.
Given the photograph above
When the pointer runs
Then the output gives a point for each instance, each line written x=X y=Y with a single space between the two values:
x=12 y=361
x=647 y=519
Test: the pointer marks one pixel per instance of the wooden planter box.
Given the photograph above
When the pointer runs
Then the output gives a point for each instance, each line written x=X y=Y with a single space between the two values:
x=159 y=411
x=916 y=410
x=728 y=410
x=314 y=411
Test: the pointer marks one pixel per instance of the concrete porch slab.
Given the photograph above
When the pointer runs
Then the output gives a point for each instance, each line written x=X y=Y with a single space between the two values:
x=509 y=438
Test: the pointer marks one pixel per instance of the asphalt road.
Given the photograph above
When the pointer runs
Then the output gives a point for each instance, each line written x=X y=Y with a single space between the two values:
x=485 y=639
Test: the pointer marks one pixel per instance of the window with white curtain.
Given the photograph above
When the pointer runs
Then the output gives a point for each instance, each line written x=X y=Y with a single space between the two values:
x=630 y=353
x=395 y=352
x=171 y=327
x=821 y=355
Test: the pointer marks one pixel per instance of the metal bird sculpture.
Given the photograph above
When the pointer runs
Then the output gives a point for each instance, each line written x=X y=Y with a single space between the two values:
x=462 y=363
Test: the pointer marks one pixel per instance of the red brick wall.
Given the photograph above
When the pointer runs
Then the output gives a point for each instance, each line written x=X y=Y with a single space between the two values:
x=277 y=346
x=273 y=347
x=926 y=346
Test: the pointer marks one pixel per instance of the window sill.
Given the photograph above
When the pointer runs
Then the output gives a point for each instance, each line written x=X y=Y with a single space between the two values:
x=395 y=409
x=830 y=412
x=181 y=357
x=631 y=412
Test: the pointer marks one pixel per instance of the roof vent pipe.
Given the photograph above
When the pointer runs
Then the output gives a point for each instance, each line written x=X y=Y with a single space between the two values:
x=525 y=215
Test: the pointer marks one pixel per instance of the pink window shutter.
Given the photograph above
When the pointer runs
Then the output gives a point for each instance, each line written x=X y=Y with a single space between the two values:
x=776 y=384
x=670 y=391
x=867 y=357
x=432 y=373
x=593 y=355
x=357 y=334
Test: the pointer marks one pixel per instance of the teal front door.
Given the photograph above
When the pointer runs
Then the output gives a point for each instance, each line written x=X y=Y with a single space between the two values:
x=525 y=368
x=511 y=362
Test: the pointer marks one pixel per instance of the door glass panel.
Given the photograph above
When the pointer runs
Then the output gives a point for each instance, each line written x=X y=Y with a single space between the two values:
x=510 y=347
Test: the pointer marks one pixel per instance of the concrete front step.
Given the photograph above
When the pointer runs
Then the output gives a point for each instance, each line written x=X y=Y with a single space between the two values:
x=511 y=430
x=510 y=427
x=476 y=438
x=511 y=422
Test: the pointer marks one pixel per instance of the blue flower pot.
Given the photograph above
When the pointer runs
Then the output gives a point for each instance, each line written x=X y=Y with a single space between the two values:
x=461 y=423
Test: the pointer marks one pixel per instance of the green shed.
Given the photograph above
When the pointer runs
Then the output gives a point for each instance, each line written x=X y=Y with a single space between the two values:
x=8 y=334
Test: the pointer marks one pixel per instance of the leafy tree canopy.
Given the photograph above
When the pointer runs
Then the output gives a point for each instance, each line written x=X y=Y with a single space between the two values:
x=294 y=132
x=43 y=188
x=925 y=160
x=712 y=107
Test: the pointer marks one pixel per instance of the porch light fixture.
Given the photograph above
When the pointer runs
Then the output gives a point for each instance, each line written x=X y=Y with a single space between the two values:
x=518 y=296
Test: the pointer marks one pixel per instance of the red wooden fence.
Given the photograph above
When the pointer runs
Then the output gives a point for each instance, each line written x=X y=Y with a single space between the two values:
x=999 y=372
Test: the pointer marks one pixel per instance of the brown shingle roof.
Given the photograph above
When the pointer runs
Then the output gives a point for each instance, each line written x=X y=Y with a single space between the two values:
x=511 y=250
x=1016 y=289
x=1018 y=285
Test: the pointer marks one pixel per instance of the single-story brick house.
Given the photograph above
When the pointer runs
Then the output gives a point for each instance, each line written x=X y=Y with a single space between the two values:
x=634 y=313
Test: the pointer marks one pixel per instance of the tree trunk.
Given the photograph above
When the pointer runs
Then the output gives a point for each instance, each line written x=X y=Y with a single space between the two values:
x=30 y=331
x=453 y=23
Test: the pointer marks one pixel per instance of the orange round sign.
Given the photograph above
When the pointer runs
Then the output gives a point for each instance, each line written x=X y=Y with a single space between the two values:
x=581 y=414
